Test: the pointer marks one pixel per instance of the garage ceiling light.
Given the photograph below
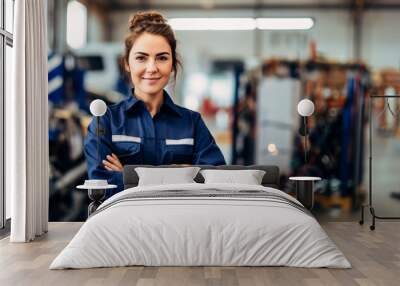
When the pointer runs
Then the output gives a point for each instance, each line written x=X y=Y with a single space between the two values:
x=76 y=24
x=284 y=23
x=234 y=24
x=212 y=24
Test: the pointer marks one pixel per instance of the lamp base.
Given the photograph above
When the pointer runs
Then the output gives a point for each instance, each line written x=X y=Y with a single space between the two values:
x=305 y=190
x=96 y=195
x=305 y=193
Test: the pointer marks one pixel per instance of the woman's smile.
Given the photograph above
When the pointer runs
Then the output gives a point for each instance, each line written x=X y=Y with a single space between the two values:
x=151 y=79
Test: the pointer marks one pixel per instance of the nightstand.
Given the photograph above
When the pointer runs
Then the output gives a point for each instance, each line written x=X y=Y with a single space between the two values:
x=96 y=192
x=305 y=190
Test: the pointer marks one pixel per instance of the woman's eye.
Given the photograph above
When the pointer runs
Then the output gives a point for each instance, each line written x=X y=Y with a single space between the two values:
x=140 y=58
x=163 y=58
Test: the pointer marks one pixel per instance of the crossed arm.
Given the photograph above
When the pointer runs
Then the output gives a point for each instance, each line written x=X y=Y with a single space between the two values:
x=113 y=164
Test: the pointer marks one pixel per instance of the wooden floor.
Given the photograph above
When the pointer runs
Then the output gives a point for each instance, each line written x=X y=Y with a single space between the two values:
x=375 y=257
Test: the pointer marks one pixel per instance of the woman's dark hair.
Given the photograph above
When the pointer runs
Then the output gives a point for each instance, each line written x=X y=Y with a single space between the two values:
x=153 y=23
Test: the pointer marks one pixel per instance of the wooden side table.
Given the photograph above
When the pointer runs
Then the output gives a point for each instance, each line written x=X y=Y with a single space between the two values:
x=305 y=190
x=96 y=193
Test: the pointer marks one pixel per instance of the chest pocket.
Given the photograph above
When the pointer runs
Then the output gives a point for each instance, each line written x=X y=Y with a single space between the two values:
x=127 y=149
x=179 y=151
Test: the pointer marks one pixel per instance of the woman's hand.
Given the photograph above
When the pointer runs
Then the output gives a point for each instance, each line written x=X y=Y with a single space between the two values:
x=112 y=163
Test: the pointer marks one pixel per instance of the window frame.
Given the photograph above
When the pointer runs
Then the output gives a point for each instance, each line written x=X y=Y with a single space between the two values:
x=6 y=39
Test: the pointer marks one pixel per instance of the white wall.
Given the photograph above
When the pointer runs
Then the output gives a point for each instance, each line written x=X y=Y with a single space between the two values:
x=333 y=34
x=95 y=31
x=381 y=39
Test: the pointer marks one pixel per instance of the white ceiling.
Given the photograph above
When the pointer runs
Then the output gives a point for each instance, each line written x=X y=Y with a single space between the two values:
x=210 y=3
x=232 y=4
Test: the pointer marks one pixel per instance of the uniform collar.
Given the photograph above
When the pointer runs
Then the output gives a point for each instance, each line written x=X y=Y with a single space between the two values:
x=170 y=104
x=132 y=101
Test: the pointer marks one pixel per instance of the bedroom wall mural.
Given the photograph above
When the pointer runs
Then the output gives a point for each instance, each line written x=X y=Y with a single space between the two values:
x=244 y=101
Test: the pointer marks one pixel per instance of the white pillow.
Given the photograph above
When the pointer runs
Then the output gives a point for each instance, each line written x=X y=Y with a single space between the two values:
x=164 y=176
x=249 y=177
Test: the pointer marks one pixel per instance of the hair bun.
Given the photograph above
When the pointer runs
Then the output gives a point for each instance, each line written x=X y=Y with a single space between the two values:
x=141 y=19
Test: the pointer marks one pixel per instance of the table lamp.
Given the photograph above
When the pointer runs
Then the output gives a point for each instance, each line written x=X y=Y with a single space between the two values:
x=305 y=108
x=96 y=188
x=305 y=184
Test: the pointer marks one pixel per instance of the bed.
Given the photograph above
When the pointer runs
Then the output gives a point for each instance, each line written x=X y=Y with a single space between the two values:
x=198 y=224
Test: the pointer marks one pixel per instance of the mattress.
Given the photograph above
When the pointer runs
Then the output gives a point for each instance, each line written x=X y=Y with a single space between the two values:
x=201 y=225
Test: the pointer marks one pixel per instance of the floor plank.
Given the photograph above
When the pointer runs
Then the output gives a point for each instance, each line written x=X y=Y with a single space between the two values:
x=375 y=257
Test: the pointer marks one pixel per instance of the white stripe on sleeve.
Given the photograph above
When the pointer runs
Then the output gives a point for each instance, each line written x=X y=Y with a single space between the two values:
x=184 y=141
x=126 y=138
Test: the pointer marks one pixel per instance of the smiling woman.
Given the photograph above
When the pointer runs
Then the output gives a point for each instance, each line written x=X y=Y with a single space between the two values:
x=148 y=127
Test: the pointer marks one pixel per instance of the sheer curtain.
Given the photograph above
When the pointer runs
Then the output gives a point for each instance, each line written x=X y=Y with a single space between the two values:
x=27 y=124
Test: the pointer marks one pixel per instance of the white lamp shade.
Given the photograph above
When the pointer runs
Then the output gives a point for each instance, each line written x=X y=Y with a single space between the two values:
x=98 y=107
x=305 y=107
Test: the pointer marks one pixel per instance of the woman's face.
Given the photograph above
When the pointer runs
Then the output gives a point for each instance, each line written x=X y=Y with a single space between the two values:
x=150 y=64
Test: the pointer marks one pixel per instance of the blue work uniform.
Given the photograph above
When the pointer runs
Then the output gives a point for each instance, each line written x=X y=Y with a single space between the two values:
x=175 y=135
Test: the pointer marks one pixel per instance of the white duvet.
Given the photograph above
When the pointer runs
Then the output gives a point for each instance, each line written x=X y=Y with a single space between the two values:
x=182 y=231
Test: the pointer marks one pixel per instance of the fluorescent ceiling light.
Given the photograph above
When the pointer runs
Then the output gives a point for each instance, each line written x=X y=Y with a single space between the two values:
x=76 y=24
x=284 y=23
x=220 y=24
x=212 y=23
